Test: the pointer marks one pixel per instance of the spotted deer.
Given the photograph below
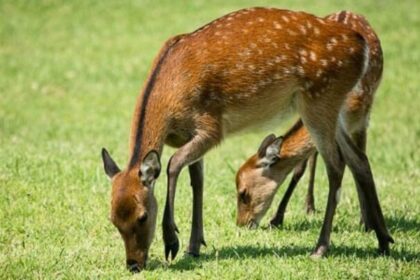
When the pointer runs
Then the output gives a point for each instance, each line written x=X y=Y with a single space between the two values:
x=237 y=72
x=296 y=148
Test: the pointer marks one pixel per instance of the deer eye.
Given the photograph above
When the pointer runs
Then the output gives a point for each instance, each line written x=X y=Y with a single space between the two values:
x=142 y=219
x=244 y=197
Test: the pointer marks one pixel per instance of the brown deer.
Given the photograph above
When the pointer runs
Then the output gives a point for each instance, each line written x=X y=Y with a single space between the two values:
x=295 y=147
x=241 y=70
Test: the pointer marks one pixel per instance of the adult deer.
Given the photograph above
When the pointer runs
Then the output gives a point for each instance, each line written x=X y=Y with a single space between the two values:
x=238 y=71
x=255 y=192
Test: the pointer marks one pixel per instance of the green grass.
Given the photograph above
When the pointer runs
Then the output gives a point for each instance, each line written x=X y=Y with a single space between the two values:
x=69 y=76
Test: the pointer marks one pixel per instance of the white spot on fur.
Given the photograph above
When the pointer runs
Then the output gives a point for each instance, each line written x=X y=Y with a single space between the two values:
x=292 y=33
x=260 y=19
x=245 y=52
x=278 y=59
x=285 y=18
x=340 y=63
x=300 y=70
x=275 y=45
x=302 y=29
x=312 y=55
x=267 y=40
x=319 y=73
x=253 y=45
x=324 y=62
x=251 y=67
x=303 y=52
x=277 y=25
x=333 y=59
x=331 y=43
x=286 y=46
x=316 y=31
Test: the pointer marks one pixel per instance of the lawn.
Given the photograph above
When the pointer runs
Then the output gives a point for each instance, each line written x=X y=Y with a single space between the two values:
x=70 y=72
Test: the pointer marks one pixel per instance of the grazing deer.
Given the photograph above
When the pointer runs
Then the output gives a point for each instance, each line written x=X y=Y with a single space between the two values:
x=241 y=70
x=296 y=147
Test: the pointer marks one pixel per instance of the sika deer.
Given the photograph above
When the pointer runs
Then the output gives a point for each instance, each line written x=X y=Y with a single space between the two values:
x=296 y=146
x=238 y=71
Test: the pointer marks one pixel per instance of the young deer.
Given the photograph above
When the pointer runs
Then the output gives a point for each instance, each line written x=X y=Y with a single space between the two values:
x=238 y=71
x=295 y=147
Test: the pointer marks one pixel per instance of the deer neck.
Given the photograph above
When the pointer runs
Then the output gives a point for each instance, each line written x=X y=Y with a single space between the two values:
x=148 y=131
x=149 y=126
x=297 y=144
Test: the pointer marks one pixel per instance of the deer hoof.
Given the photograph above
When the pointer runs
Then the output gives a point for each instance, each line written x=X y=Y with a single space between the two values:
x=172 y=249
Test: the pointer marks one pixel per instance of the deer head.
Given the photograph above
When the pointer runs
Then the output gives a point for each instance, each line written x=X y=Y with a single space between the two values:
x=133 y=206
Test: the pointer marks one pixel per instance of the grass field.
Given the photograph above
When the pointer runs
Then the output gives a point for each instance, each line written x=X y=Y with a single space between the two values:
x=69 y=75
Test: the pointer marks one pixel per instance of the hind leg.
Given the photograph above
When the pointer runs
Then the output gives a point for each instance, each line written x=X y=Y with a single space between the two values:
x=360 y=167
x=355 y=122
x=359 y=138
x=321 y=122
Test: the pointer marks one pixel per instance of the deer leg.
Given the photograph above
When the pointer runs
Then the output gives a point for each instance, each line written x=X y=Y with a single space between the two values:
x=197 y=234
x=335 y=171
x=322 y=129
x=188 y=154
x=277 y=220
x=310 y=201
x=360 y=167
x=168 y=224
x=360 y=139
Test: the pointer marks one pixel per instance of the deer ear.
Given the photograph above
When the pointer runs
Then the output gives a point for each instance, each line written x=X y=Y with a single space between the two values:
x=111 y=168
x=264 y=144
x=150 y=168
x=271 y=152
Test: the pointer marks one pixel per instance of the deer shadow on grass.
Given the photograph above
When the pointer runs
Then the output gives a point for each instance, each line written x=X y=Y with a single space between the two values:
x=401 y=223
x=241 y=252
x=254 y=252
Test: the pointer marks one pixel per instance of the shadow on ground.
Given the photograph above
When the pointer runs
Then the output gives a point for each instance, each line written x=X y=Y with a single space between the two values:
x=402 y=223
x=241 y=252
x=187 y=262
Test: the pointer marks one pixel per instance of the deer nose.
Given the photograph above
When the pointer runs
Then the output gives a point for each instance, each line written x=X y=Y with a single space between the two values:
x=133 y=266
